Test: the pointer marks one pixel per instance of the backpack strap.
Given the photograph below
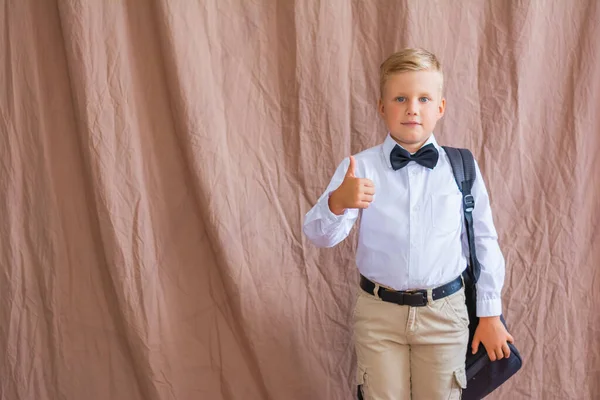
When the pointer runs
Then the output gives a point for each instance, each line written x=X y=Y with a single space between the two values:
x=463 y=168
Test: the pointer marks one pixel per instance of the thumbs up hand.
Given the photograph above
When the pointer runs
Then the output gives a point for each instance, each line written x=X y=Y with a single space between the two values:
x=353 y=192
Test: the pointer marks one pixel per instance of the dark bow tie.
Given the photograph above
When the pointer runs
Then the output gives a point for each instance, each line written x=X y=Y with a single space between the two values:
x=427 y=156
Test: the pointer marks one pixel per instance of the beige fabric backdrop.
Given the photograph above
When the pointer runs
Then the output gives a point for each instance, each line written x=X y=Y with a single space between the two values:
x=157 y=159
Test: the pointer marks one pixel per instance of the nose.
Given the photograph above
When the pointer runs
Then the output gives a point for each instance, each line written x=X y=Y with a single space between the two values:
x=412 y=108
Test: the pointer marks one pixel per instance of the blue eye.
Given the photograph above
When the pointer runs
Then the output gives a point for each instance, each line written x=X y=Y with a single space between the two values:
x=424 y=99
x=400 y=99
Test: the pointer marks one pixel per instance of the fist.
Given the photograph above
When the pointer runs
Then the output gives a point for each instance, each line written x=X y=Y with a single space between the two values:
x=353 y=192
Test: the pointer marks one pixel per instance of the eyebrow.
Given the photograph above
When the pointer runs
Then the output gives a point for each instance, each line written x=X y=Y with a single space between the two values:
x=422 y=94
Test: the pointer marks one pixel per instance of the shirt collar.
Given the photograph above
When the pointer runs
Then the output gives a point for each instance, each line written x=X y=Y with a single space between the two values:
x=389 y=144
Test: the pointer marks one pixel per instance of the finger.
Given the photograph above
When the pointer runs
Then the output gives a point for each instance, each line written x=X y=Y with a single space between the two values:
x=367 y=197
x=506 y=350
x=475 y=345
x=367 y=183
x=351 y=167
x=368 y=190
x=499 y=353
x=511 y=339
x=363 y=204
x=491 y=355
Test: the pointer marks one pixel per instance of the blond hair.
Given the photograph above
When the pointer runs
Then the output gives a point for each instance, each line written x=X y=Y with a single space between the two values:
x=411 y=59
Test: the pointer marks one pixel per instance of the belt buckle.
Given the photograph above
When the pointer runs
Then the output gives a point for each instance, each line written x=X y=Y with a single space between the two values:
x=417 y=295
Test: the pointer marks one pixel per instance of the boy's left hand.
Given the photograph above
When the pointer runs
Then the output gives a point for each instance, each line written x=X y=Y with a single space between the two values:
x=493 y=335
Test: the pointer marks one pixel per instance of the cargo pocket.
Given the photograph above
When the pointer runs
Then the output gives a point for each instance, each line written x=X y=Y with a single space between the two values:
x=361 y=379
x=458 y=384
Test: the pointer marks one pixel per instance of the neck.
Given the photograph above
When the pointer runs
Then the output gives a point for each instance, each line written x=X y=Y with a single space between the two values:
x=411 y=147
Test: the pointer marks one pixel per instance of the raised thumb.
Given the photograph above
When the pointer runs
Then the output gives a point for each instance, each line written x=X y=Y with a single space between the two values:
x=351 y=167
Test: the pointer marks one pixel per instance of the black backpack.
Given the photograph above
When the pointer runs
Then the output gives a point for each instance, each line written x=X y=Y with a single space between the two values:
x=483 y=375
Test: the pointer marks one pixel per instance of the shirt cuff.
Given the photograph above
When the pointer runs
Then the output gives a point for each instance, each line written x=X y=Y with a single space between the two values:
x=328 y=214
x=489 y=308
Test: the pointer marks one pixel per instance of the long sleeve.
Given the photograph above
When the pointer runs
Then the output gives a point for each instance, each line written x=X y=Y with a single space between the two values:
x=321 y=226
x=491 y=281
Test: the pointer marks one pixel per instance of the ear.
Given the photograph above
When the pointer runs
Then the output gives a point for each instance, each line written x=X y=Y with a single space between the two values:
x=380 y=107
x=441 y=107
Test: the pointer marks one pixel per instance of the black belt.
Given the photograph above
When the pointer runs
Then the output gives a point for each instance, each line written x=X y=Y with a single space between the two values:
x=413 y=298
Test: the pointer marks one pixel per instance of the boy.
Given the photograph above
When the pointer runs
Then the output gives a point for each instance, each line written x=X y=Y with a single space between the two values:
x=410 y=319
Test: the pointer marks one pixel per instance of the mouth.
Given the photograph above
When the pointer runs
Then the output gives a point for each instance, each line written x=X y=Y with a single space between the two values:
x=411 y=123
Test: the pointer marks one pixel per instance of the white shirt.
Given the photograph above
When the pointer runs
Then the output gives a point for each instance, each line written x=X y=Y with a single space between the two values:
x=412 y=236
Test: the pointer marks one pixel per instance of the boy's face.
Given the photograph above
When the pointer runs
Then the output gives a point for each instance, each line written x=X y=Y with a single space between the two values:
x=411 y=105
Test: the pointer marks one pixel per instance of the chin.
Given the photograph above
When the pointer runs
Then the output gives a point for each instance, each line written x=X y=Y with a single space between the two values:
x=410 y=138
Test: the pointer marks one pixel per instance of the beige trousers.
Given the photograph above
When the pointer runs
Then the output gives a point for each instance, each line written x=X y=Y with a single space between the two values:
x=413 y=353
